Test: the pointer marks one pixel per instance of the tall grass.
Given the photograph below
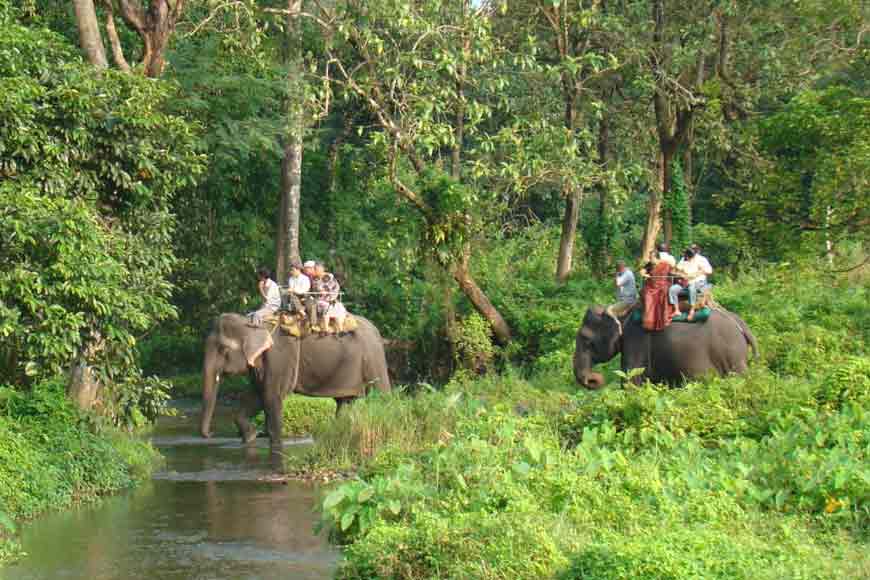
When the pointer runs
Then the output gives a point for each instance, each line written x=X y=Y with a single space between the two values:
x=388 y=423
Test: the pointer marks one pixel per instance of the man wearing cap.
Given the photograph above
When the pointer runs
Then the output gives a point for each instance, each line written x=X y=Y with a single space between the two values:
x=314 y=271
x=298 y=285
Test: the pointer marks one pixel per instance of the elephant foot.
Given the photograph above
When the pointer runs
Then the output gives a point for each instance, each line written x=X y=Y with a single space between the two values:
x=249 y=436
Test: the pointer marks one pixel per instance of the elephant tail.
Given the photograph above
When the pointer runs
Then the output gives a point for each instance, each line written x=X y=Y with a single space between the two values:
x=747 y=334
x=750 y=339
x=744 y=330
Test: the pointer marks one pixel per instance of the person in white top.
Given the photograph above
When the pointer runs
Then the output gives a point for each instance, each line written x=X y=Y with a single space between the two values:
x=298 y=285
x=693 y=272
x=271 y=296
x=626 y=293
x=665 y=256
x=703 y=263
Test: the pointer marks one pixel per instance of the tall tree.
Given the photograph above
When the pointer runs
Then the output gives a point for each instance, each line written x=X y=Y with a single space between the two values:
x=680 y=45
x=575 y=32
x=89 y=33
x=425 y=71
x=287 y=238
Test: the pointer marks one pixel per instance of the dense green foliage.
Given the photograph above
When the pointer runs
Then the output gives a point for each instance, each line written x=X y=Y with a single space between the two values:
x=441 y=141
x=90 y=166
x=52 y=456
x=817 y=188
x=763 y=476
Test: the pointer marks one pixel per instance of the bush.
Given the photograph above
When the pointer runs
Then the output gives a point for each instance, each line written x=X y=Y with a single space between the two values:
x=91 y=163
x=52 y=456
x=719 y=408
x=694 y=552
x=303 y=415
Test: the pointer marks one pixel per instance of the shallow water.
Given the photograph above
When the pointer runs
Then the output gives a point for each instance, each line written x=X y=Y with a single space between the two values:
x=205 y=515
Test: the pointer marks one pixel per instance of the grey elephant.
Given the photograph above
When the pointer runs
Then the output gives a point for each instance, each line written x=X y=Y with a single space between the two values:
x=342 y=367
x=681 y=351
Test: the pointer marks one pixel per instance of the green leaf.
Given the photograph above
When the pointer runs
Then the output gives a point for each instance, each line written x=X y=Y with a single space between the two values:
x=365 y=495
x=334 y=498
x=346 y=521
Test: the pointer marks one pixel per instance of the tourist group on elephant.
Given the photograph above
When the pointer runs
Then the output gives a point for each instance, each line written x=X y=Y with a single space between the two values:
x=673 y=329
x=300 y=340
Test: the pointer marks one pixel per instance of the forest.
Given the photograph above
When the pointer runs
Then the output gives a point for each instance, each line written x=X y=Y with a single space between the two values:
x=471 y=171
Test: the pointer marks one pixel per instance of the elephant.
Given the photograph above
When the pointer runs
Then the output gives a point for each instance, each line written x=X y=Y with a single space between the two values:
x=681 y=351
x=342 y=367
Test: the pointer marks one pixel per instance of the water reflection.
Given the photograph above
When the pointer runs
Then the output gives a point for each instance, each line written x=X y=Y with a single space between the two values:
x=204 y=516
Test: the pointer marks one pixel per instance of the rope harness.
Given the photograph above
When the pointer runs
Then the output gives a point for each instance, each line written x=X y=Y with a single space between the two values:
x=296 y=371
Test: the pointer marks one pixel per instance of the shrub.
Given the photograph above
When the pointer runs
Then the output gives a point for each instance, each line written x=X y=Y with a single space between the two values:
x=690 y=552
x=303 y=415
x=758 y=476
x=91 y=163
x=473 y=341
x=52 y=456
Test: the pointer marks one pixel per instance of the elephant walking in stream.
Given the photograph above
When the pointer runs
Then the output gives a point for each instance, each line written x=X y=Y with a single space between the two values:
x=342 y=367
x=681 y=351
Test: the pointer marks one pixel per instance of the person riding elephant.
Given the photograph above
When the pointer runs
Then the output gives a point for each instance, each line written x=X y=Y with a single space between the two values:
x=656 y=276
x=672 y=355
x=342 y=368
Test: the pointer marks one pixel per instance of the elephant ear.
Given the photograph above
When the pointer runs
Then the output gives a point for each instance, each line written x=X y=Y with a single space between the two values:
x=257 y=342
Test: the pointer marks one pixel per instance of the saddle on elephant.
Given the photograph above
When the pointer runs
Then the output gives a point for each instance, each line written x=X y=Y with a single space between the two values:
x=291 y=324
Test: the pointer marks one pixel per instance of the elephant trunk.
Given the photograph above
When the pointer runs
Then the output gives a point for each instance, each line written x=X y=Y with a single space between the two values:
x=583 y=372
x=592 y=380
x=210 y=379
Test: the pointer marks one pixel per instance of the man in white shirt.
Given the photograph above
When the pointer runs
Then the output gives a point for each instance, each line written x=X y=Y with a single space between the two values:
x=298 y=285
x=691 y=270
x=270 y=293
x=703 y=263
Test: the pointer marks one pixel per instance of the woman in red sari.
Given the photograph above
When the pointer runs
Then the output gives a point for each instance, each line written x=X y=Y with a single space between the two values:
x=656 y=309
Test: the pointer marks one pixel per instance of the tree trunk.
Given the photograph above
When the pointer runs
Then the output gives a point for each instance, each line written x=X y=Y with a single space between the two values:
x=287 y=240
x=572 y=203
x=569 y=234
x=83 y=388
x=154 y=27
x=688 y=173
x=114 y=41
x=654 y=206
x=89 y=33
x=480 y=301
x=603 y=148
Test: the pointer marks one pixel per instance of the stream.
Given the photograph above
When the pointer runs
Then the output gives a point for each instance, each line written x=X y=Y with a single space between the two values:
x=204 y=515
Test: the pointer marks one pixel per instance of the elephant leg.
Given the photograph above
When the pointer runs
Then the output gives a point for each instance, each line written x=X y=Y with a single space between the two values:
x=274 y=418
x=250 y=405
x=341 y=402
